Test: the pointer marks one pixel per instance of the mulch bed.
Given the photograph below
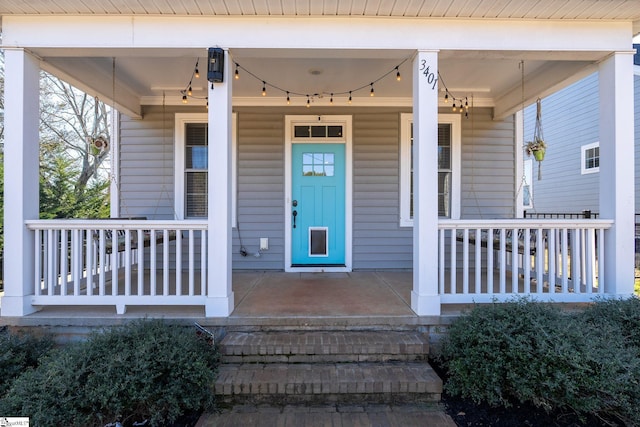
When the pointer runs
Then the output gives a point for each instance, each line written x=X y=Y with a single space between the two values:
x=466 y=413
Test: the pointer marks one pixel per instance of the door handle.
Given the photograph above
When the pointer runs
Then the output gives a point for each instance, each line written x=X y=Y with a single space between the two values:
x=295 y=214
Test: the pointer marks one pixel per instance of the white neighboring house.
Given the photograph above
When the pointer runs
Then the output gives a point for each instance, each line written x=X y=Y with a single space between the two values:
x=299 y=158
x=570 y=181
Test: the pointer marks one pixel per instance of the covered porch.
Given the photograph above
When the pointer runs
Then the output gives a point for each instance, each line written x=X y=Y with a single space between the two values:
x=453 y=230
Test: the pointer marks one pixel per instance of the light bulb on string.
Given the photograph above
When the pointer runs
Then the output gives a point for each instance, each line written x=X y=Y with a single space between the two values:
x=331 y=99
x=466 y=103
x=349 y=97
x=196 y=73
x=264 y=88
x=308 y=102
x=398 y=76
x=373 y=92
x=446 y=97
x=184 y=99
x=237 y=74
x=454 y=107
x=190 y=91
x=288 y=99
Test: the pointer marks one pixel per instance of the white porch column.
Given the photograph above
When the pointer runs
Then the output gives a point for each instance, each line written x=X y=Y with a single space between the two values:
x=617 y=171
x=425 y=299
x=220 y=294
x=21 y=164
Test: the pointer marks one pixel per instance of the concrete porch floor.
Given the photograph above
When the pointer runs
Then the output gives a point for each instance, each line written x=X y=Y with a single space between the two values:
x=273 y=298
x=355 y=294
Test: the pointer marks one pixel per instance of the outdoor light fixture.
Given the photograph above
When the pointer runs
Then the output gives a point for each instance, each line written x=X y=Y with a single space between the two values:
x=215 y=68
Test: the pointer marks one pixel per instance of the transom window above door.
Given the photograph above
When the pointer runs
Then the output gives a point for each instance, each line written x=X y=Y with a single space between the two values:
x=313 y=132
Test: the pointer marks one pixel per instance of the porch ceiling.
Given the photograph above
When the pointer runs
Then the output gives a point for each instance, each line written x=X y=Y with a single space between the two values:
x=153 y=76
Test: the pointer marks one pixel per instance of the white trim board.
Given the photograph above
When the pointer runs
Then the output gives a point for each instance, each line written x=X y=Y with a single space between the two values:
x=346 y=121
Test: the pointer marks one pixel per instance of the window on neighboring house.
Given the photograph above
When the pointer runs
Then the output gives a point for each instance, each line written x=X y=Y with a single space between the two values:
x=191 y=171
x=448 y=167
x=590 y=158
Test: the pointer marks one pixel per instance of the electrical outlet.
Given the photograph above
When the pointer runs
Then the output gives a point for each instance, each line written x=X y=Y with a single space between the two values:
x=264 y=243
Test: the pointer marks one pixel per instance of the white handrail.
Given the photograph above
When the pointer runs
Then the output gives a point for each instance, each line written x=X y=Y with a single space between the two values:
x=115 y=262
x=550 y=259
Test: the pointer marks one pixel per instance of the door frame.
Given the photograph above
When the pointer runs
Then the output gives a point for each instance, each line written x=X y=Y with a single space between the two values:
x=290 y=122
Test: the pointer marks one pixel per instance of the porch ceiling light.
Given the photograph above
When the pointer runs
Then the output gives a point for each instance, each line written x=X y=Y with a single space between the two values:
x=215 y=68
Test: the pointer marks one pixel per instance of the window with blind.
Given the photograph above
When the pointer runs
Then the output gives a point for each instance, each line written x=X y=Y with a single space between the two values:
x=448 y=157
x=191 y=166
x=195 y=170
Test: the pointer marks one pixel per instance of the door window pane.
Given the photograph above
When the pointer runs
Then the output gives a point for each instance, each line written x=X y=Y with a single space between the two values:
x=318 y=164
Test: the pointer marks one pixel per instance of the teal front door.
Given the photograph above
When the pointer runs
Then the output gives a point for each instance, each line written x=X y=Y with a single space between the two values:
x=318 y=204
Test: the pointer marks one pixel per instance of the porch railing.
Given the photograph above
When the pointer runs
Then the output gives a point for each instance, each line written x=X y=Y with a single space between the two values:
x=119 y=262
x=496 y=260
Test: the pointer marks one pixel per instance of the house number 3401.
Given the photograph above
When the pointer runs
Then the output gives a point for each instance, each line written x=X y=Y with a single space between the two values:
x=428 y=74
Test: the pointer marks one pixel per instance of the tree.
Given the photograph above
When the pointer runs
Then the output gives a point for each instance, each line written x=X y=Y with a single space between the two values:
x=79 y=123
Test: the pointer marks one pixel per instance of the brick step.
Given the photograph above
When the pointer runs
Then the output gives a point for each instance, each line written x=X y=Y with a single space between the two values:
x=330 y=415
x=323 y=346
x=322 y=383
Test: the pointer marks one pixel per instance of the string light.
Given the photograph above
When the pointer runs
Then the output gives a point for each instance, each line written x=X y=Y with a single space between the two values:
x=290 y=93
x=188 y=91
x=463 y=103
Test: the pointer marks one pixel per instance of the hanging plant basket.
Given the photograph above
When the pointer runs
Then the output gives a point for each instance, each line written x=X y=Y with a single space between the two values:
x=537 y=147
x=539 y=154
x=98 y=145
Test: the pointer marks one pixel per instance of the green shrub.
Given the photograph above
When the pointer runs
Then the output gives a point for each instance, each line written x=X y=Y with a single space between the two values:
x=621 y=314
x=143 y=370
x=18 y=352
x=529 y=352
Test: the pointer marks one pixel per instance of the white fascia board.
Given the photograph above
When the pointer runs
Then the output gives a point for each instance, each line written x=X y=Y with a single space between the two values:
x=328 y=33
